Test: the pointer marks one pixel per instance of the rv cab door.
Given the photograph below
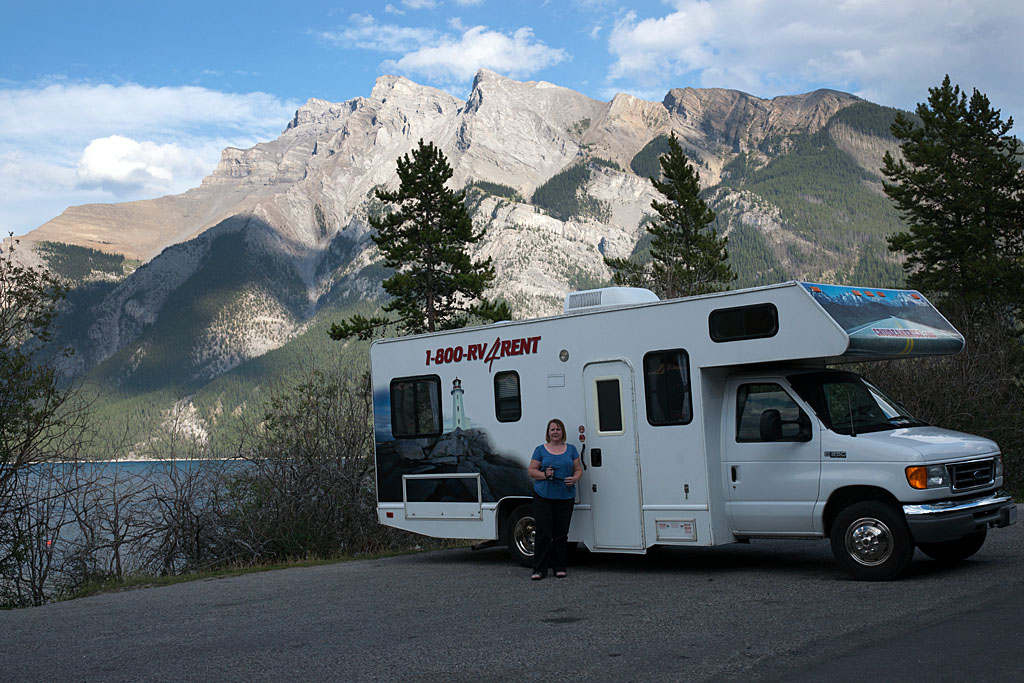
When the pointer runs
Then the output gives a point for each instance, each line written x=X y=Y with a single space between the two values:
x=772 y=458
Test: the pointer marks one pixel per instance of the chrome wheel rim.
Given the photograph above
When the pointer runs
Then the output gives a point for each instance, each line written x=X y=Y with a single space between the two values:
x=524 y=535
x=869 y=541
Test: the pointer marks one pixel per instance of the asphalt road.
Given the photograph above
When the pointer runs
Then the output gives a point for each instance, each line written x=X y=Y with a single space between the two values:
x=771 y=610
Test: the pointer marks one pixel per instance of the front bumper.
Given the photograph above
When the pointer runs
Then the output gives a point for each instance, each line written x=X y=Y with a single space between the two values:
x=949 y=520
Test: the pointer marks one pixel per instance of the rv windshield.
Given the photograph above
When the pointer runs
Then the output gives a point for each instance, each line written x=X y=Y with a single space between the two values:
x=848 y=404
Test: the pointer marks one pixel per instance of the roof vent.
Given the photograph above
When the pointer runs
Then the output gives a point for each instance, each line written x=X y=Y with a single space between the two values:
x=607 y=297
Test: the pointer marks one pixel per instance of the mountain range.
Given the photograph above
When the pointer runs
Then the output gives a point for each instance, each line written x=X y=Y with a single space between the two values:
x=188 y=304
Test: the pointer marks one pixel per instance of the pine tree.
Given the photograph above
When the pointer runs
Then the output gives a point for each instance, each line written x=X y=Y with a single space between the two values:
x=960 y=188
x=435 y=286
x=688 y=256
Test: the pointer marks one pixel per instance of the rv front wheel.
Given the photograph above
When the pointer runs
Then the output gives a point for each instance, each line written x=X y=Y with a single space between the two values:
x=520 y=534
x=871 y=541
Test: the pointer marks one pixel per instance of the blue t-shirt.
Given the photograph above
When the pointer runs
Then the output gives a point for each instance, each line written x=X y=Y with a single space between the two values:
x=563 y=468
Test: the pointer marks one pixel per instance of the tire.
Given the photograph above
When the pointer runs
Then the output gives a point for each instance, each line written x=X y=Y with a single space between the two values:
x=520 y=533
x=871 y=541
x=955 y=551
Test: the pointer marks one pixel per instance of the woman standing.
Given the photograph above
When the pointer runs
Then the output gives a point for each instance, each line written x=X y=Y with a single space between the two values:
x=555 y=468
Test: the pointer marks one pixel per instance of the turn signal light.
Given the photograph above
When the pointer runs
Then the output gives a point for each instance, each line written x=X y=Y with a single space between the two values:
x=927 y=476
x=917 y=477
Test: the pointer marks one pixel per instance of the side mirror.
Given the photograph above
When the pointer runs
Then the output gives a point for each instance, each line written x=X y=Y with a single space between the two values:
x=805 y=433
x=771 y=425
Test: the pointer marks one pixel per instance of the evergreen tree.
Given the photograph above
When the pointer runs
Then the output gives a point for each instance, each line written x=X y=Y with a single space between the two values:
x=688 y=256
x=960 y=188
x=435 y=286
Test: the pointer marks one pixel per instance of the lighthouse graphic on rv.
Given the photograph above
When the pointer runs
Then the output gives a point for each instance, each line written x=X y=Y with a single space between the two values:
x=458 y=408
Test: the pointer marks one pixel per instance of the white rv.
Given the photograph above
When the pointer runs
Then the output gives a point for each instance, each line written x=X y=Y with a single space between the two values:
x=701 y=421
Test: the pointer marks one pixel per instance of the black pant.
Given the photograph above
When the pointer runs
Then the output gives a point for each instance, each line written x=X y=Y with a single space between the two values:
x=552 y=517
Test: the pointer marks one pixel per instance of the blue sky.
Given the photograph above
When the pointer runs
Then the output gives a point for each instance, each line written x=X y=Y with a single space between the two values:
x=109 y=101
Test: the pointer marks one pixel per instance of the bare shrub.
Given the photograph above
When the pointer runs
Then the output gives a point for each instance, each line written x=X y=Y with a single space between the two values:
x=36 y=521
x=187 y=505
x=112 y=512
x=308 y=487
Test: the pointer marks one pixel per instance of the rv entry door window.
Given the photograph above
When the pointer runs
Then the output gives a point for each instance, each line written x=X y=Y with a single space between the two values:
x=609 y=405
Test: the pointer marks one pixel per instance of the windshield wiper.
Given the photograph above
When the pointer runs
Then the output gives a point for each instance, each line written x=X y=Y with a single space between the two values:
x=904 y=420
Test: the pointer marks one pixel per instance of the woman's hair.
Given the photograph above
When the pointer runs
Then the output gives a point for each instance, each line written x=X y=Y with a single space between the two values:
x=555 y=420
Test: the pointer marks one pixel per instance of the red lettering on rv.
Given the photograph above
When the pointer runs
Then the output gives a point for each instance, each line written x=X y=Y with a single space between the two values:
x=487 y=353
x=493 y=353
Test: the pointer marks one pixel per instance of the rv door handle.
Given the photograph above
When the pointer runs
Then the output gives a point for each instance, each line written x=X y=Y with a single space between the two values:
x=735 y=473
x=595 y=457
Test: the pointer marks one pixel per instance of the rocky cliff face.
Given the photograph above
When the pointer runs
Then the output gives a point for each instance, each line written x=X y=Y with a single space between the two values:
x=295 y=208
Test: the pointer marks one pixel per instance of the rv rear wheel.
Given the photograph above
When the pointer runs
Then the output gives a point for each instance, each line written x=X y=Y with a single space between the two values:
x=955 y=551
x=520 y=533
x=871 y=541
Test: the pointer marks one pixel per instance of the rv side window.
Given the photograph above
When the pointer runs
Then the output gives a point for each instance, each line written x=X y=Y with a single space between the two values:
x=745 y=322
x=508 y=405
x=416 y=406
x=765 y=412
x=609 y=405
x=667 y=387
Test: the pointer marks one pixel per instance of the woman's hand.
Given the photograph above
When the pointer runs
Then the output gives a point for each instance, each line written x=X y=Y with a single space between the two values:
x=571 y=479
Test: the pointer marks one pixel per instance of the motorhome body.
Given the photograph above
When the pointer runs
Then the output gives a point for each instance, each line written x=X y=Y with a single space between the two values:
x=702 y=421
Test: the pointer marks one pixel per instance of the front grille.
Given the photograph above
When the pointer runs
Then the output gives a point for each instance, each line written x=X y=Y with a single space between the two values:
x=972 y=475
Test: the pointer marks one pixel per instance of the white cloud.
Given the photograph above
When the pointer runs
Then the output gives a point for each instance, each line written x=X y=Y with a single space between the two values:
x=469 y=3
x=420 y=4
x=80 y=110
x=517 y=55
x=74 y=143
x=889 y=52
x=391 y=9
x=124 y=166
x=366 y=34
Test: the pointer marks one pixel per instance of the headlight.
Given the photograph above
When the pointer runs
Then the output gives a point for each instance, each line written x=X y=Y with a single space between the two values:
x=927 y=476
x=998 y=466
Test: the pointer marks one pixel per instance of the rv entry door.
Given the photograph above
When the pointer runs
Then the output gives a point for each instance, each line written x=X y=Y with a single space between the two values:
x=614 y=475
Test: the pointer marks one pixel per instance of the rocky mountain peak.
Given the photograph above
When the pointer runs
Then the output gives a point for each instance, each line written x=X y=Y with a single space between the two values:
x=810 y=111
x=740 y=121
x=399 y=91
x=486 y=76
x=315 y=114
